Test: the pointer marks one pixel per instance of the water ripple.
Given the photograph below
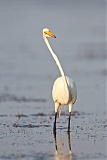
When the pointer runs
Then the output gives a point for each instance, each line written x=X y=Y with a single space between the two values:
x=9 y=97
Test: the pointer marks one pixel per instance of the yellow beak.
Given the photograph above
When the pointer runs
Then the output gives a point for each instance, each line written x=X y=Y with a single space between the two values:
x=50 y=34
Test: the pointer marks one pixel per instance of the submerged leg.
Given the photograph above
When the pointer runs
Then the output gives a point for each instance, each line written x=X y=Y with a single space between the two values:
x=69 y=142
x=70 y=109
x=56 y=109
x=54 y=133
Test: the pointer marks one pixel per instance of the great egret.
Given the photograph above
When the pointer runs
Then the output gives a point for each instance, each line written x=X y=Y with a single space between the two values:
x=64 y=89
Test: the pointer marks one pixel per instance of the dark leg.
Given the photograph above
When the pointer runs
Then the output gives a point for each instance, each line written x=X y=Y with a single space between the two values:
x=54 y=133
x=69 y=121
x=69 y=142
x=54 y=127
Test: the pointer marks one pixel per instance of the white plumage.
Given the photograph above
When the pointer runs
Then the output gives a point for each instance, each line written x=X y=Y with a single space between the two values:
x=64 y=89
x=59 y=94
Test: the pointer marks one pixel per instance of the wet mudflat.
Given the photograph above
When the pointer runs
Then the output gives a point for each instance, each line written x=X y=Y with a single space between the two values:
x=27 y=74
x=31 y=136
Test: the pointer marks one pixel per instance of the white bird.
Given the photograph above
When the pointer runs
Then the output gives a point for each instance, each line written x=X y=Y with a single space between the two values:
x=64 y=89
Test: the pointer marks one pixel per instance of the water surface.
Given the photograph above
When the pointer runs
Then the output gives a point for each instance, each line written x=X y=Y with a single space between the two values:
x=27 y=74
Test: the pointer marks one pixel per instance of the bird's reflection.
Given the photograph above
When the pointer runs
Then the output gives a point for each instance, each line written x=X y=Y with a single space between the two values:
x=60 y=153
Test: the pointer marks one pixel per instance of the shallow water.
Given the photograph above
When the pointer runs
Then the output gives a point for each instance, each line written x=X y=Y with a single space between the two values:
x=31 y=136
x=27 y=73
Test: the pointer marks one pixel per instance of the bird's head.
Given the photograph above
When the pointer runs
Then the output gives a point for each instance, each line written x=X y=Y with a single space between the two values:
x=47 y=33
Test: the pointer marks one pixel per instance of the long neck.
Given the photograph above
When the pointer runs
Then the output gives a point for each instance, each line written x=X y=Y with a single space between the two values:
x=59 y=66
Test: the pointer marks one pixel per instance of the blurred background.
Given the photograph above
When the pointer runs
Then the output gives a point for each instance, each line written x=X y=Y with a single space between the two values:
x=26 y=66
x=28 y=71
